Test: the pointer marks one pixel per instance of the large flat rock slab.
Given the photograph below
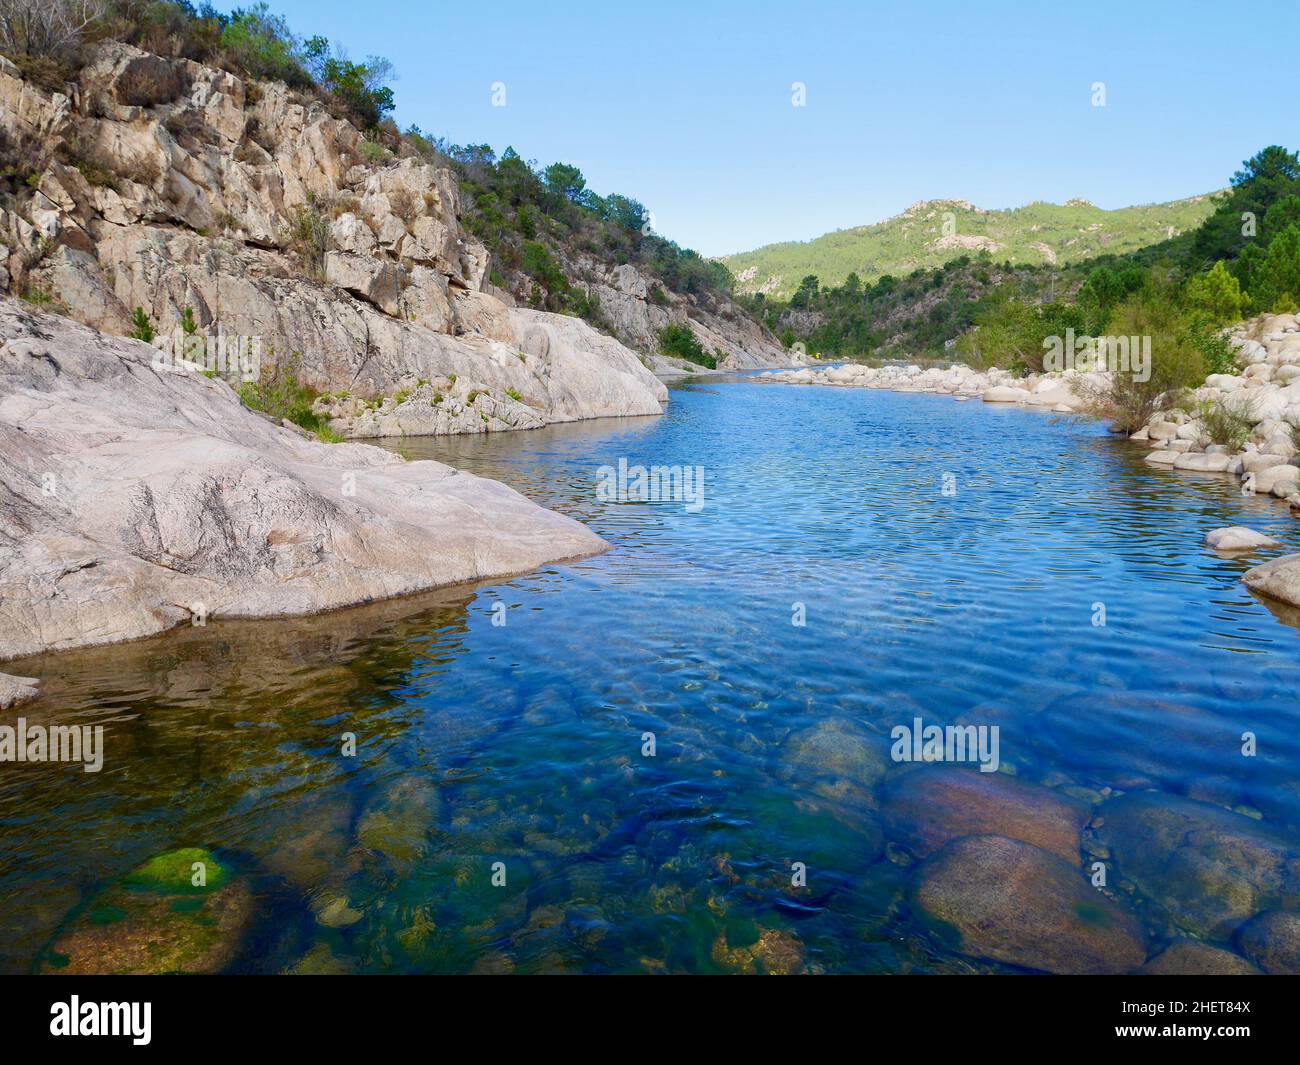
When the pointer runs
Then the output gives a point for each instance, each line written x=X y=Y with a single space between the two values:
x=133 y=499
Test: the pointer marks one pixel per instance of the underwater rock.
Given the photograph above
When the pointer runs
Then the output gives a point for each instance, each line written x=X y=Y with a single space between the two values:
x=333 y=911
x=1191 y=957
x=303 y=838
x=1208 y=868
x=1129 y=740
x=320 y=960
x=29 y=913
x=822 y=836
x=836 y=758
x=773 y=952
x=925 y=808
x=396 y=824
x=157 y=920
x=992 y=897
x=1272 y=941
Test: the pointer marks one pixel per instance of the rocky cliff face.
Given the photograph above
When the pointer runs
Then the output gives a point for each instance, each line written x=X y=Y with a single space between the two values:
x=165 y=185
x=134 y=499
x=637 y=308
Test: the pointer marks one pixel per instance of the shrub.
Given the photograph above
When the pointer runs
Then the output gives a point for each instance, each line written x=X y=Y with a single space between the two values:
x=536 y=261
x=278 y=393
x=95 y=175
x=23 y=160
x=46 y=28
x=360 y=88
x=1176 y=363
x=308 y=238
x=1227 y=420
x=1215 y=348
x=49 y=72
x=262 y=45
x=374 y=153
x=1276 y=280
x=679 y=342
x=141 y=327
x=406 y=205
x=44 y=299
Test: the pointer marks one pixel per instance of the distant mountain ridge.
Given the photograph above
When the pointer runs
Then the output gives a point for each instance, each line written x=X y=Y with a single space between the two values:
x=932 y=232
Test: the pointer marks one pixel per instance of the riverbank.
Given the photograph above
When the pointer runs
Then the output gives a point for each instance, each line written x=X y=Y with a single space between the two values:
x=1264 y=396
x=138 y=499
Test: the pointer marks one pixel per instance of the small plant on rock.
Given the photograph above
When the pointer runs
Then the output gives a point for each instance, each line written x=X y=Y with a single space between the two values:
x=1227 y=420
x=308 y=238
x=141 y=327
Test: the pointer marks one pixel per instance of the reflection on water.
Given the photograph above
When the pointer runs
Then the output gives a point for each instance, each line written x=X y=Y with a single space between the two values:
x=523 y=743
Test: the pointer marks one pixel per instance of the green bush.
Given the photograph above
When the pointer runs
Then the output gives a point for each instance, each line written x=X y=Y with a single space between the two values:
x=262 y=45
x=1176 y=363
x=360 y=88
x=1227 y=420
x=374 y=153
x=1276 y=280
x=141 y=327
x=679 y=342
x=1215 y=347
x=538 y=263
x=308 y=238
x=278 y=393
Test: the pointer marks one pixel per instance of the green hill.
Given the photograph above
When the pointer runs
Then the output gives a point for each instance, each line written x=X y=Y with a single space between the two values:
x=1036 y=234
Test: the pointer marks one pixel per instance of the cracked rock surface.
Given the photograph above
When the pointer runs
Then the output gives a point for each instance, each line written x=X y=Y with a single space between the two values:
x=133 y=499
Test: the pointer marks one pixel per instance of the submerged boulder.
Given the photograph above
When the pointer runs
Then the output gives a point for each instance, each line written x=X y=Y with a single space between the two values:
x=1272 y=941
x=837 y=758
x=181 y=912
x=767 y=951
x=1131 y=740
x=992 y=897
x=1191 y=957
x=925 y=808
x=1207 y=868
x=396 y=824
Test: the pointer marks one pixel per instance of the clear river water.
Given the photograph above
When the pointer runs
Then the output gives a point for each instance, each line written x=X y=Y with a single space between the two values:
x=642 y=745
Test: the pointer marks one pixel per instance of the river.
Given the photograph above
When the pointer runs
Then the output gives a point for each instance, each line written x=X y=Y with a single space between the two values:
x=622 y=764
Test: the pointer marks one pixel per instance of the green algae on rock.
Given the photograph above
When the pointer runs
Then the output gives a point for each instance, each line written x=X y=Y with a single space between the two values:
x=397 y=824
x=180 y=912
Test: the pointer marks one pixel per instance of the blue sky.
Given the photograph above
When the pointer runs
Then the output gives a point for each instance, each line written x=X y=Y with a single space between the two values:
x=686 y=106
